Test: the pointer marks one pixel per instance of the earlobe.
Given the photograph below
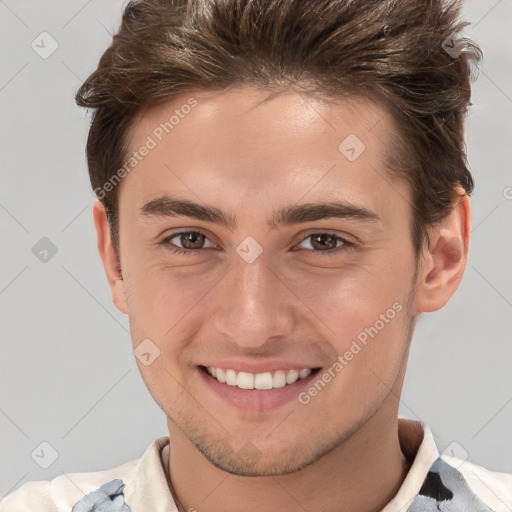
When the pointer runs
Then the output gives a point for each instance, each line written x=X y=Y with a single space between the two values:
x=109 y=257
x=444 y=259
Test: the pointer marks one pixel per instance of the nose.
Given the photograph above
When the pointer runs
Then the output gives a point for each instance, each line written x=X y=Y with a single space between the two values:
x=254 y=304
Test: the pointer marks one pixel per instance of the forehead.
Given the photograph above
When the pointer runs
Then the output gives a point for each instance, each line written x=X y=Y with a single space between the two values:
x=262 y=113
x=247 y=142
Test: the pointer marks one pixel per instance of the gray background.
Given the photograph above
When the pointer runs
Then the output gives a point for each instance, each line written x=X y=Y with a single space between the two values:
x=68 y=374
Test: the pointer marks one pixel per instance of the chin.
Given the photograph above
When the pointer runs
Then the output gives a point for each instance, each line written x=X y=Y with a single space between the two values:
x=251 y=461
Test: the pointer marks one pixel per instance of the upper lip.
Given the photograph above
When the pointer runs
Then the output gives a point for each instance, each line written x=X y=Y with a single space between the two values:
x=258 y=366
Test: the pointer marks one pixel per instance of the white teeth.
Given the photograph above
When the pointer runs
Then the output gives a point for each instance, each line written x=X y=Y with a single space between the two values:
x=293 y=376
x=263 y=380
x=279 y=380
x=266 y=380
x=231 y=377
x=220 y=374
x=245 y=380
x=304 y=373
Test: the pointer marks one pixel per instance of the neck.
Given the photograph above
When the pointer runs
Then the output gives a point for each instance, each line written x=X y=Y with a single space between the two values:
x=370 y=459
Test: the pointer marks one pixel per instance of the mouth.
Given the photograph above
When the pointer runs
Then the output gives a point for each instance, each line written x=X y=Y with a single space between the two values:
x=266 y=380
x=257 y=392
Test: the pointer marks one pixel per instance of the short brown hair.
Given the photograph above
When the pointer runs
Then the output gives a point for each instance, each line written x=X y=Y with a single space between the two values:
x=389 y=50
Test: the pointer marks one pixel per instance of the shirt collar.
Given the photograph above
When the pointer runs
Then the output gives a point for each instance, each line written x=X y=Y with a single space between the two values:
x=148 y=489
x=418 y=445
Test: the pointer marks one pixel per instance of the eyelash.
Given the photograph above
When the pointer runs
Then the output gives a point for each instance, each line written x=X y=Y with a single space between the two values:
x=347 y=245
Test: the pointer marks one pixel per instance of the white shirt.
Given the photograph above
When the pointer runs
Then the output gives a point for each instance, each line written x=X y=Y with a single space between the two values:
x=432 y=483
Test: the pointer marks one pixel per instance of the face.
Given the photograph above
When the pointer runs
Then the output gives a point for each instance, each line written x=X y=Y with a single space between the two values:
x=296 y=256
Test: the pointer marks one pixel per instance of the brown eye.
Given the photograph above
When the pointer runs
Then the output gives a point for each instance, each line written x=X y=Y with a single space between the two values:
x=323 y=241
x=186 y=242
x=326 y=244
x=191 y=240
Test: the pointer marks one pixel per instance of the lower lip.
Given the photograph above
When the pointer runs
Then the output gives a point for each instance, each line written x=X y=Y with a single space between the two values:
x=257 y=400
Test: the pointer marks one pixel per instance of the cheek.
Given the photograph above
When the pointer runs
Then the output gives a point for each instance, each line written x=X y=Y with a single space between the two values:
x=349 y=299
x=369 y=339
x=364 y=316
x=163 y=299
x=163 y=308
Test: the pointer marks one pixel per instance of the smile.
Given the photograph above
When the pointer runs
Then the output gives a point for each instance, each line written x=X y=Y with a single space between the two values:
x=265 y=380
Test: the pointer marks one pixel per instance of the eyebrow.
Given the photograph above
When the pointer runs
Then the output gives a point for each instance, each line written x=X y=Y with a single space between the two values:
x=167 y=206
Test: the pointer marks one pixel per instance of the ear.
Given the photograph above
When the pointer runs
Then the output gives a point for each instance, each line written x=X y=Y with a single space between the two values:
x=108 y=256
x=444 y=260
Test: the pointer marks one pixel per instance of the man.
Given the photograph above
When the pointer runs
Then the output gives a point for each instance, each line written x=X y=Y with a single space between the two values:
x=282 y=190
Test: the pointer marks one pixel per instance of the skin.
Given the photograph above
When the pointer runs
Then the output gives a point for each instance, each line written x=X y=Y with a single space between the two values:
x=249 y=157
